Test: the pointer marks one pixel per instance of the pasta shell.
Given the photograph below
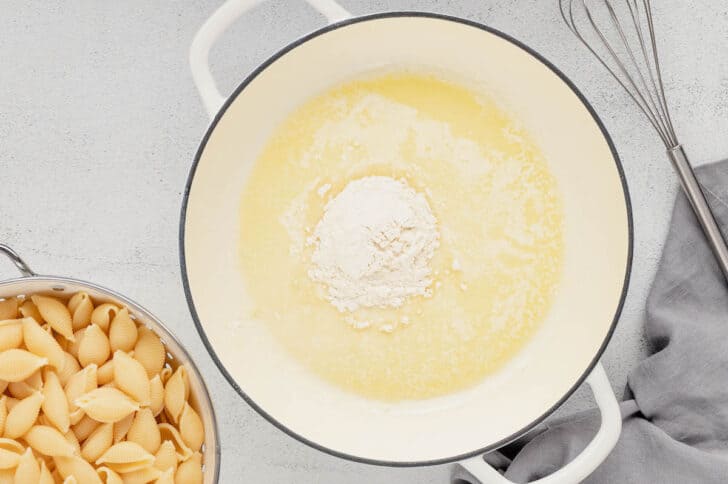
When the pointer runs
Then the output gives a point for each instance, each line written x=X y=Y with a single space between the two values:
x=79 y=384
x=190 y=471
x=30 y=310
x=20 y=389
x=104 y=314
x=28 y=470
x=191 y=429
x=74 y=345
x=55 y=404
x=106 y=372
x=98 y=442
x=17 y=365
x=85 y=427
x=176 y=392
x=3 y=413
x=55 y=313
x=126 y=457
x=168 y=432
x=94 y=347
x=43 y=344
x=45 y=474
x=165 y=374
x=122 y=332
x=106 y=405
x=78 y=468
x=156 y=395
x=48 y=441
x=73 y=440
x=23 y=415
x=167 y=477
x=80 y=307
x=9 y=308
x=121 y=428
x=144 y=431
x=166 y=457
x=70 y=368
x=11 y=334
x=131 y=377
x=108 y=476
x=142 y=476
x=35 y=381
x=10 y=452
x=149 y=351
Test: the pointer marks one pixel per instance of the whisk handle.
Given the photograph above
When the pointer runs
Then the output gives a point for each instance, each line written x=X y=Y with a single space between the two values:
x=702 y=210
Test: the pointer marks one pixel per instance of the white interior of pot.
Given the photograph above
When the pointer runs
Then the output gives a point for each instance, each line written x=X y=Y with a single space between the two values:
x=596 y=240
x=200 y=400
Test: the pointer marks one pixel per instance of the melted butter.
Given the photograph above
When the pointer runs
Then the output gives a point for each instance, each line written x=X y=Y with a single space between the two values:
x=499 y=217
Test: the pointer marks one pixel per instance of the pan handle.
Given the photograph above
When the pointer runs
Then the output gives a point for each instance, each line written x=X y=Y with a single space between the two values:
x=590 y=458
x=16 y=260
x=214 y=27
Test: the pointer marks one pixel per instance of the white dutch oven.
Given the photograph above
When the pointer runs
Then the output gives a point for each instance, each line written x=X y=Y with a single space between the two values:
x=598 y=240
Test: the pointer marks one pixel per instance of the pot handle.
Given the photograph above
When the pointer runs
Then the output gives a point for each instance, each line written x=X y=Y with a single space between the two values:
x=16 y=260
x=590 y=458
x=214 y=27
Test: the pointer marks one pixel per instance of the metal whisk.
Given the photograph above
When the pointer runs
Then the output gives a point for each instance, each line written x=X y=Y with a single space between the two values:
x=621 y=35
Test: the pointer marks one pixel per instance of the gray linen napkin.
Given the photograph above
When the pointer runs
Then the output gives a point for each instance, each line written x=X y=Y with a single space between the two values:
x=675 y=427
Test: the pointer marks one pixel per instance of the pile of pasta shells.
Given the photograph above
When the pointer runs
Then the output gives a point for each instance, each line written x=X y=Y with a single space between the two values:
x=90 y=396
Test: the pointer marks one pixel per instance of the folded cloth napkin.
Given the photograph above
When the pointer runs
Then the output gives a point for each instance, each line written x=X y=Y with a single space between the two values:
x=675 y=422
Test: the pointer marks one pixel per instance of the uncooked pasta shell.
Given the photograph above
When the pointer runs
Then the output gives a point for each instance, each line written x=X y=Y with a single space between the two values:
x=190 y=471
x=176 y=392
x=70 y=367
x=11 y=334
x=23 y=415
x=106 y=405
x=126 y=457
x=104 y=314
x=78 y=468
x=149 y=351
x=123 y=332
x=10 y=452
x=29 y=310
x=55 y=313
x=80 y=383
x=41 y=343
x=190 y=428
x=55 y=404
x=170 y=433
x=144 y=431
x=131 y=377
x=156 y=395
x=17 y=365
x=48 y=441
x=121 y=428
x=98 y=442
x=73 y=440
x=28 y=470
x=80 y=307
x=106 y=372
x=94 y=347
x=109 y=476
x=166 y=457
x=45 y=474
x=85 y=427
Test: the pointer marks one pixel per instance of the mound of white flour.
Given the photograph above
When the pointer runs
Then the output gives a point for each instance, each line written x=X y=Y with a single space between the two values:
x=373 y=244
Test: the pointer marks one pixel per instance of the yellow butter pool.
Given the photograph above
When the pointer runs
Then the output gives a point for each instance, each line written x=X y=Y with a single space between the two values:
x=499 y=217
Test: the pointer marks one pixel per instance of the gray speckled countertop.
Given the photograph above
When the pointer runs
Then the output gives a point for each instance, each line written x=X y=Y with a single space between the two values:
x=99 y=122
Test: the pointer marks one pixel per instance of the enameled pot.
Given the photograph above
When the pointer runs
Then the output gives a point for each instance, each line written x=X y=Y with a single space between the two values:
x=597 y=234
